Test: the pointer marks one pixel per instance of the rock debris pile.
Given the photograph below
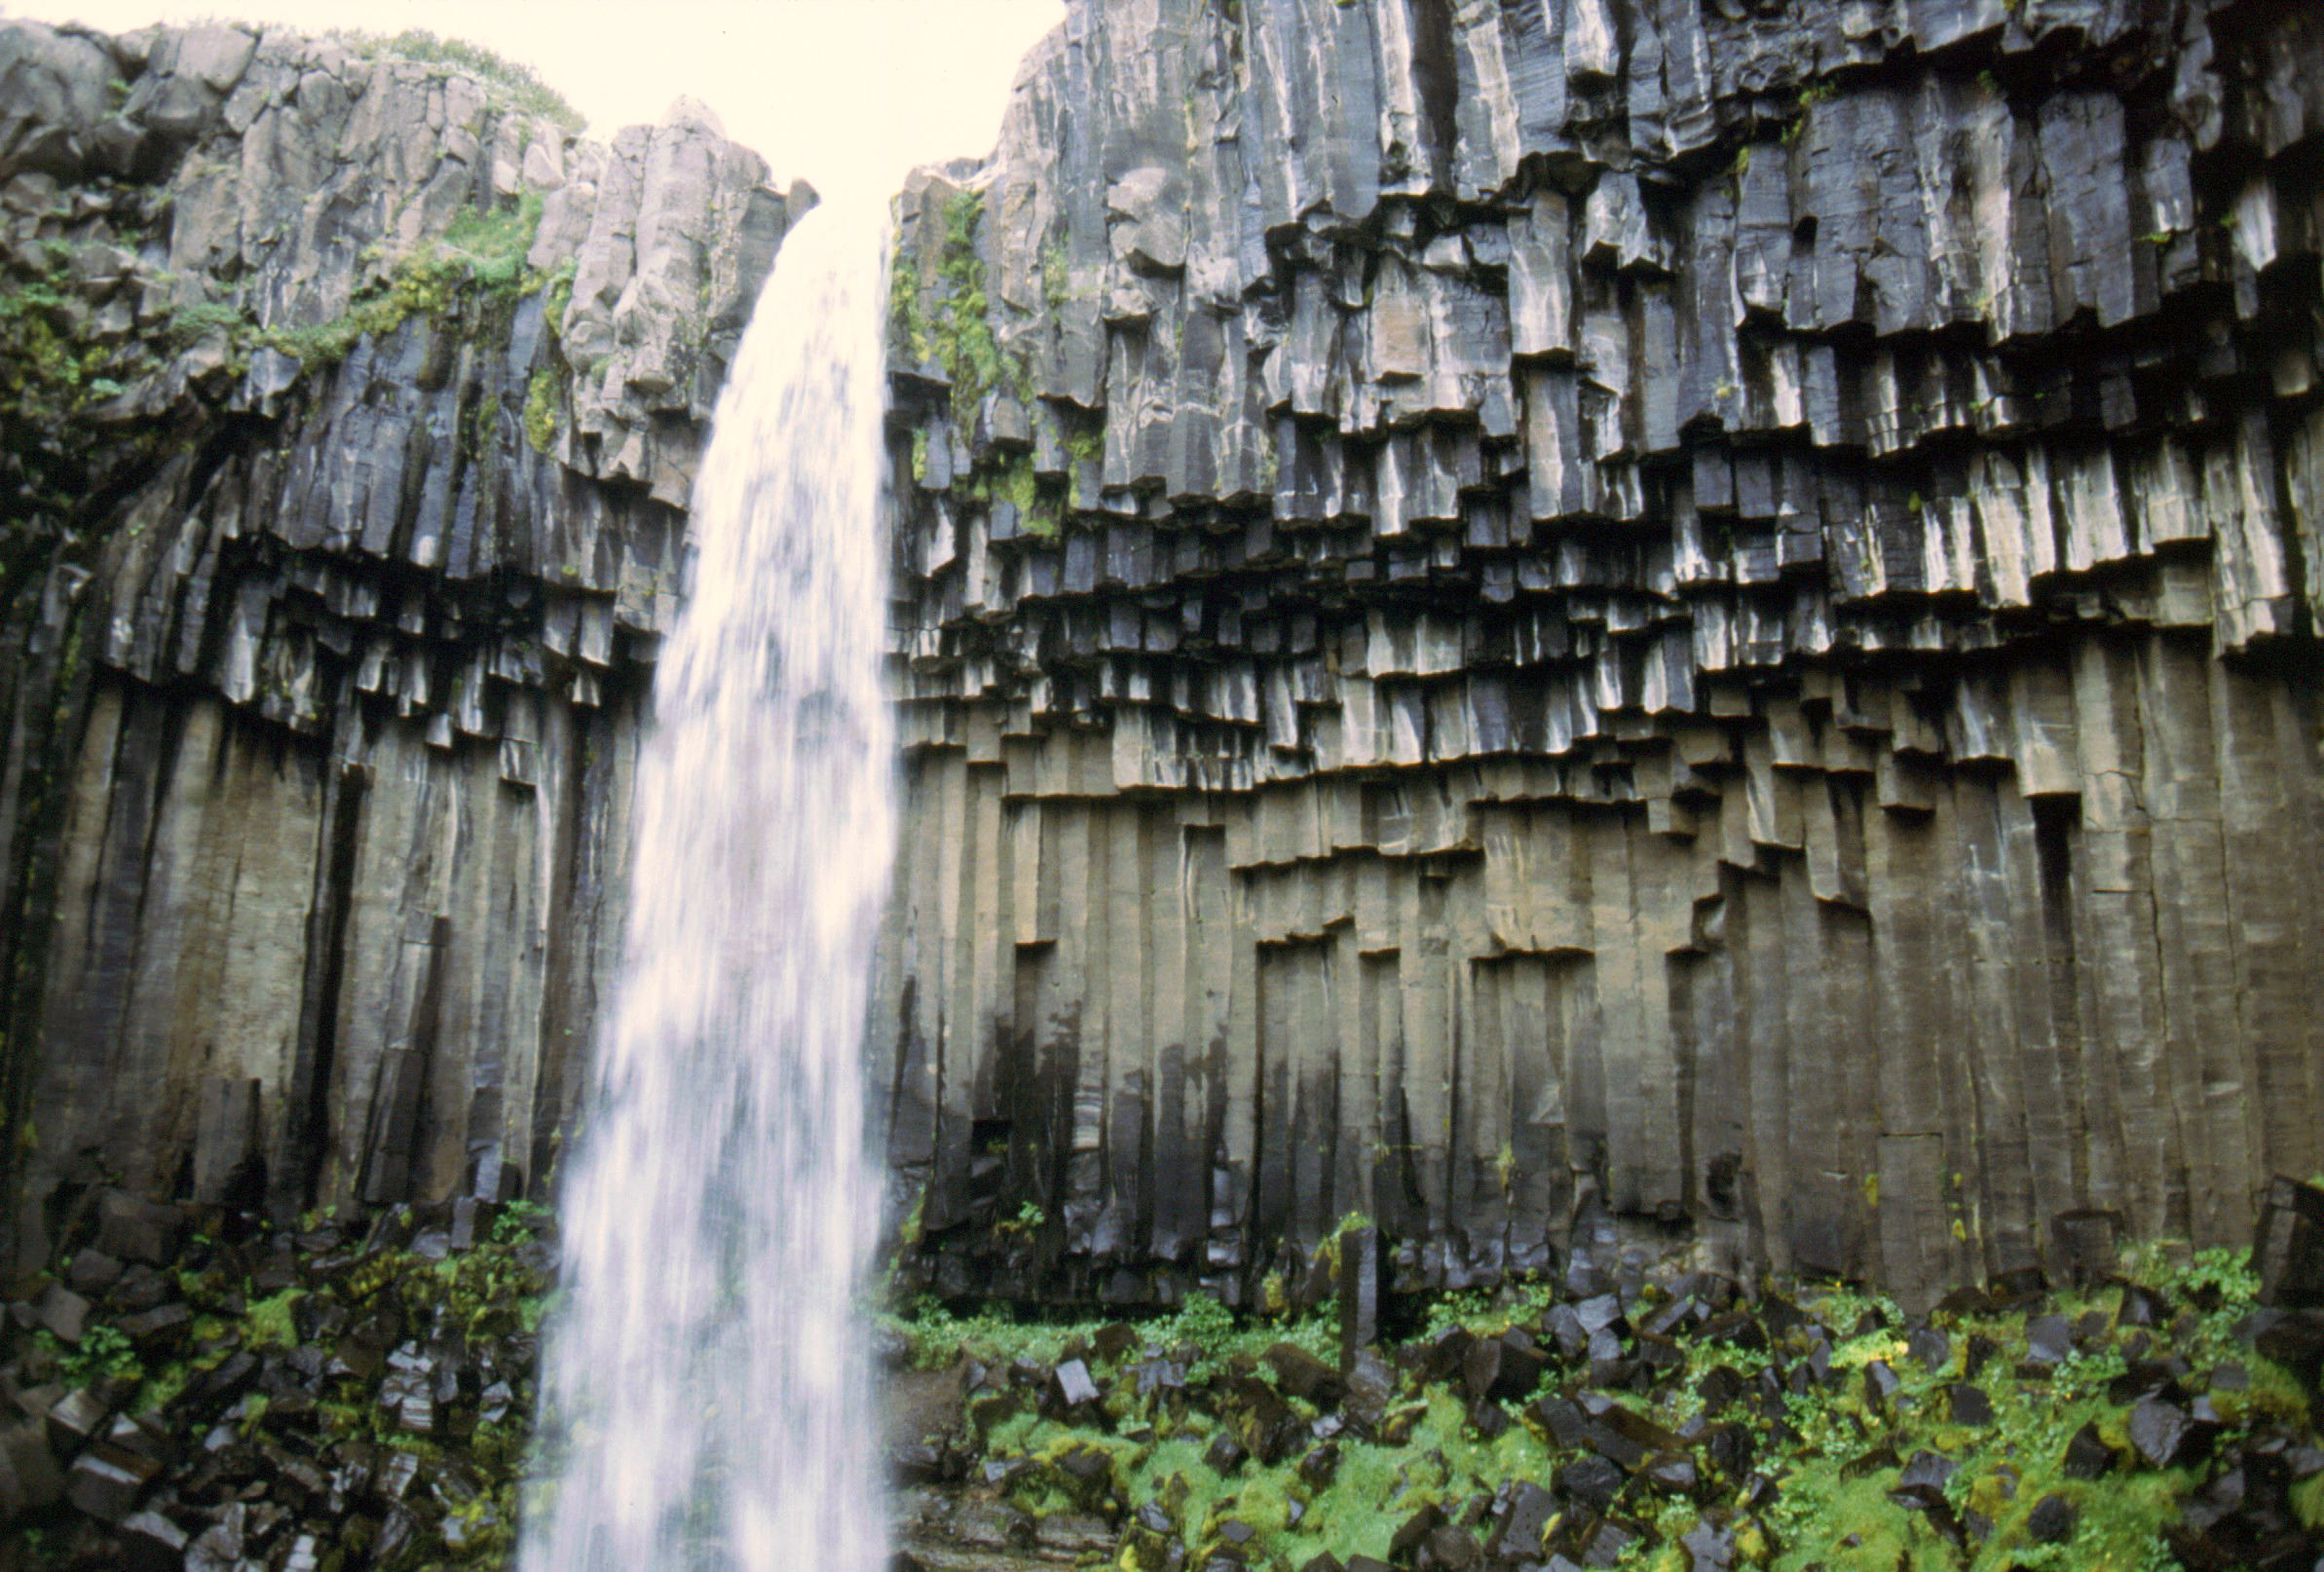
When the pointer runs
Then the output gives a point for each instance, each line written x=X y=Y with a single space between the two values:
x=189 y=1389
x=2158 y=1414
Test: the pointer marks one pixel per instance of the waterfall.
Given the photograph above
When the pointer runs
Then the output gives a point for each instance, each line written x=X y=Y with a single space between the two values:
x=708 y=1372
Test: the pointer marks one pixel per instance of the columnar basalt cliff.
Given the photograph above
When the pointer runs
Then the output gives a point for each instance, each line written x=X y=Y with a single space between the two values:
x=1554 y=622
x=352 y=405
x=1567 y=621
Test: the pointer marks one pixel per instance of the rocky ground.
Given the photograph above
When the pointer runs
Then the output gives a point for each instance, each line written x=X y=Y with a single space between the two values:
x=2160 y=1413
x=187 y=1387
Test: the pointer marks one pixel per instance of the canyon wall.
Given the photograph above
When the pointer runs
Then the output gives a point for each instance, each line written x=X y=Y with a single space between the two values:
x=351 y=404
x=1594 y=623
x=1574 y=624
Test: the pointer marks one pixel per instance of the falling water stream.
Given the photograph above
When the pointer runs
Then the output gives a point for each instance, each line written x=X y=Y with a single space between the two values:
x=707 y=1373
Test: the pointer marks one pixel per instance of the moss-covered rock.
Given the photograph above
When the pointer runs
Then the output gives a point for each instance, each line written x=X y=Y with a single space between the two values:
x=1692 y=1422
x=364 y=1387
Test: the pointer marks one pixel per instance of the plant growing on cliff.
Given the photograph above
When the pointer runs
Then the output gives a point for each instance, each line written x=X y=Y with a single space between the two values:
x=557 y=299
x=56 y=368
x=1028 y=1221
x=1057 y=277
x=493 y=242
x=479 y=264
x=954 y=329
x=1086 y=446
x=541 y=410
x=1012 y=480
x=269 y=1321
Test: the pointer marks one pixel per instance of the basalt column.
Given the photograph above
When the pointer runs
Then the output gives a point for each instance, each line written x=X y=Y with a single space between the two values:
x=350 y=404
x=1586 y=620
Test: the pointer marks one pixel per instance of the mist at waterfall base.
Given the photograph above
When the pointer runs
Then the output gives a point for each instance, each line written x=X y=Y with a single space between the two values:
x=705 y=1389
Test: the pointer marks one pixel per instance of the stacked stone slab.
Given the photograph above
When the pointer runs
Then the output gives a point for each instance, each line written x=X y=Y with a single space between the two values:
x=1582 y=618
x=322 y=709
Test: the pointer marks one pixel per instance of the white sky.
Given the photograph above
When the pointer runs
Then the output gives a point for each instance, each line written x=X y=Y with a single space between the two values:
x=848 y=94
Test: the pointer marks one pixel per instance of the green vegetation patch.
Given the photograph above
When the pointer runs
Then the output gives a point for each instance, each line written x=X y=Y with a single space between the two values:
x=478 y=265
x=540 y=409
x=1998 y=1435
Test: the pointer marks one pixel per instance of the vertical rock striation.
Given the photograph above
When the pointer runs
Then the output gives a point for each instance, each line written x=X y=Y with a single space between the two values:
x=1553 y=619
x=351 y=403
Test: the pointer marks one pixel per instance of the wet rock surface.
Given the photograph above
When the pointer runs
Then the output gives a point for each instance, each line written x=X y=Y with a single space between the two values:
x=350 y=405
x=1603 y=617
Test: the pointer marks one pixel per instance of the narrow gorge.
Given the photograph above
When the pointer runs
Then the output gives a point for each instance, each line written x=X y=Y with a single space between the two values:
x=1531 y=642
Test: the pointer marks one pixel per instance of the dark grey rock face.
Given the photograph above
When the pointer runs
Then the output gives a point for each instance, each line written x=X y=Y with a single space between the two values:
x=1576 y=625
x=343 y=551
x=1611 y=619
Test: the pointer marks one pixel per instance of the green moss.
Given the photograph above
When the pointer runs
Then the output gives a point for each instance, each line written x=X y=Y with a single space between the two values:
x=1086 y=446
x=1029 y=1219
x=1820 y=1517
x=2006 y=1469
x=997 y=1334
x=1814 y=94
x=49 y=372
x=541 y=410
x=954 y=329
x=1010 y=478
x=518 y=1220
x=161 y=1388
x=102 y=1354
x=2308 y=1501
x=269 y=1323
x=494 y=243
x=920 y=454
x=1017 y=484
x=1491 y=1310
x=906 y=322
x=189 y=325
x=478 y=270
x=557 y=299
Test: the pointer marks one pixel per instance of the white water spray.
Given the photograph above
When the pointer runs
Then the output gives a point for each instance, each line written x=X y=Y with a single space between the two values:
x=708 y=1372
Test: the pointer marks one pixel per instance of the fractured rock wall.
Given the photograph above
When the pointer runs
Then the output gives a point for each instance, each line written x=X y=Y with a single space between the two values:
x=328 y=636
x=1566 y=619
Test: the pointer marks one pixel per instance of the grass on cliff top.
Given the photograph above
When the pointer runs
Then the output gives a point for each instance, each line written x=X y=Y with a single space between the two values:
x=515 y=82
x=519 y=83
